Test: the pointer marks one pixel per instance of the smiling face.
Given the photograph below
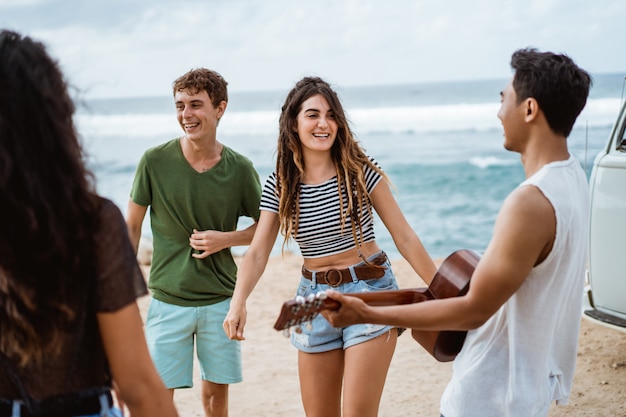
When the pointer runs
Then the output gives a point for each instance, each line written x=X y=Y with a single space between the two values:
x=196 y=114
x=316 y=125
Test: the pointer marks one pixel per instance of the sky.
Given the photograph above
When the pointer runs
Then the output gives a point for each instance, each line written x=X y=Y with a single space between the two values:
x=136 y=48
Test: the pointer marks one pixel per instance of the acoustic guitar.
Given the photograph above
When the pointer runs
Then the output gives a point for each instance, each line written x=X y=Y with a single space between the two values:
x=452 y=279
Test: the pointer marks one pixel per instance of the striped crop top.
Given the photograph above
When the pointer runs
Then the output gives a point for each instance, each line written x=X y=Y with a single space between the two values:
x=319 y=231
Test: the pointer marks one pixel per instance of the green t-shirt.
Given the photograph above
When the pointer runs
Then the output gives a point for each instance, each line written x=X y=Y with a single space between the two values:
x=182 y=199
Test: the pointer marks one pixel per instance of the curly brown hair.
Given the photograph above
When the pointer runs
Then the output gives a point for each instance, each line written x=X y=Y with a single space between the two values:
x=348 y=155
x=199 y=79
x=48 y=205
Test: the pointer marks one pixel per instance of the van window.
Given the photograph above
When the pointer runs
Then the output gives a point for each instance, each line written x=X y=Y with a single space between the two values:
x=621 y=143
x=620 y=134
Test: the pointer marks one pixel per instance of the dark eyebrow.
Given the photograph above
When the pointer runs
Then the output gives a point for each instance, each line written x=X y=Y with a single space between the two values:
x=192 y=102
x=330 y=111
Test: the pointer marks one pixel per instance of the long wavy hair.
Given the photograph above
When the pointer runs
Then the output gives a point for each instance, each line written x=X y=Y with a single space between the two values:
x=348 y=156
x=48 y=205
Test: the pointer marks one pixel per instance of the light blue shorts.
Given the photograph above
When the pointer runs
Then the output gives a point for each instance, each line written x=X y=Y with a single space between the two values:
x=171 y=331
x=319 y=336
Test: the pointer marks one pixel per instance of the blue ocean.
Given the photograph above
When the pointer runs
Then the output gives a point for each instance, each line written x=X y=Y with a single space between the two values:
x=440 y=143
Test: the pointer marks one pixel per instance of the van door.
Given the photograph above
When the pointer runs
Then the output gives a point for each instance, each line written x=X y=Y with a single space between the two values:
x=607 y=240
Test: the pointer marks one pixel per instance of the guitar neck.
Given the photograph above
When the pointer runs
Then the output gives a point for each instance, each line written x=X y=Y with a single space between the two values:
x=294 y=312
x=384 y=298
x=393 y=297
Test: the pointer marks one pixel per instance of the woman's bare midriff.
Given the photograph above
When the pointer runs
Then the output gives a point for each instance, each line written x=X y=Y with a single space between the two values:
x=343 y=259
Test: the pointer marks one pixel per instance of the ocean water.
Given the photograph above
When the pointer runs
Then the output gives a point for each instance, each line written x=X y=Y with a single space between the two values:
x=440 y=143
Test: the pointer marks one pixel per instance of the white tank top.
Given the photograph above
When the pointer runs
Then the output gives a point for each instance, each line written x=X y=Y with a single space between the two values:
x=523 y=358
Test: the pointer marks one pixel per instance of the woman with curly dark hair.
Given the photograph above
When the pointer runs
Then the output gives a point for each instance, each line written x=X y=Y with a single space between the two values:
x=69 y=323
x=323 y=194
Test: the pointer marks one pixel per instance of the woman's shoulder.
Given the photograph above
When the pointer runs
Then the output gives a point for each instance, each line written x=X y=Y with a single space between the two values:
x=372 y=160
x=371 y=166
x=107 y=206
x=110 y=214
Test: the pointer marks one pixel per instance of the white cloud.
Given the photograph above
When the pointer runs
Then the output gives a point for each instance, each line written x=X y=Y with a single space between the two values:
x=125 y=48
x=20 y=3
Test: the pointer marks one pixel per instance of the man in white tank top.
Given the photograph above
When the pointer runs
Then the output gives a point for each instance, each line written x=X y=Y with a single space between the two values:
x=522 y=310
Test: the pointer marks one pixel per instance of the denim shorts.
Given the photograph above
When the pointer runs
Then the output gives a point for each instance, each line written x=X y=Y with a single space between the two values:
x=110 y=412
x=319 y=336
x=105 y=411
x=171 y=331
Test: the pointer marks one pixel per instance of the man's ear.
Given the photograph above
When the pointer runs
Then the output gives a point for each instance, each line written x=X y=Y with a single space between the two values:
x=532 y=108
x=222 y=106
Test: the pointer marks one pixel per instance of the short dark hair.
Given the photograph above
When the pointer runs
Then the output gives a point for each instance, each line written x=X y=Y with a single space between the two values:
x=555 y=81
x=199 y=79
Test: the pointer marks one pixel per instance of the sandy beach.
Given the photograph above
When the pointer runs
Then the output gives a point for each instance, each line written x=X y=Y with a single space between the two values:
x=415 y=380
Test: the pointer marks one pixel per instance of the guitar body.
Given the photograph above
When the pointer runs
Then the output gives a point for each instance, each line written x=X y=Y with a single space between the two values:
x=451 y=280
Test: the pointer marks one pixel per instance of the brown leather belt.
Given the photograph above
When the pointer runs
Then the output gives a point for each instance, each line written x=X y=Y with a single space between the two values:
x=334 y=277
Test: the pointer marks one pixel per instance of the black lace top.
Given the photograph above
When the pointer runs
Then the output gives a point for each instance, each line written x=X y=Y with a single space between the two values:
x=82 y=363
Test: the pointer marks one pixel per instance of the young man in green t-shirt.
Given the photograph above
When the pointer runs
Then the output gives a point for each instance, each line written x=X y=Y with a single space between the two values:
x=196 y=188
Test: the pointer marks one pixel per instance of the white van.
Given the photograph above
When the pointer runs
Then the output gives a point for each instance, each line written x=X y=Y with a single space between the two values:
x=605 y=300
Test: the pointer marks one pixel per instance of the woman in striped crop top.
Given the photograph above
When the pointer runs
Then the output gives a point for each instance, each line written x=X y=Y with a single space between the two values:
x=323 y=195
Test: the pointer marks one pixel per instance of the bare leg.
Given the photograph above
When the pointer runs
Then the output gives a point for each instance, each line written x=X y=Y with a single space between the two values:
x=215 y=399
x=365 y=371
x=321 y=377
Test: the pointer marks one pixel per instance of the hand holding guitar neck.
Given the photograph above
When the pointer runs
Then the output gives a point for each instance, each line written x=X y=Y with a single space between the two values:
x=451 y=280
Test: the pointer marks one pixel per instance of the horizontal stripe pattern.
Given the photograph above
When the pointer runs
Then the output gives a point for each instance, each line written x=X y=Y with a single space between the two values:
x=319 y=232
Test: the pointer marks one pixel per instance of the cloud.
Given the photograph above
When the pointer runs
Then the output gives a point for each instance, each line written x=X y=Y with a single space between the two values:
x=130 y=48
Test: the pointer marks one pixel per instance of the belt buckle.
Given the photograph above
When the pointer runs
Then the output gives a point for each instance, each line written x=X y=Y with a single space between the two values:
x=336 y=283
